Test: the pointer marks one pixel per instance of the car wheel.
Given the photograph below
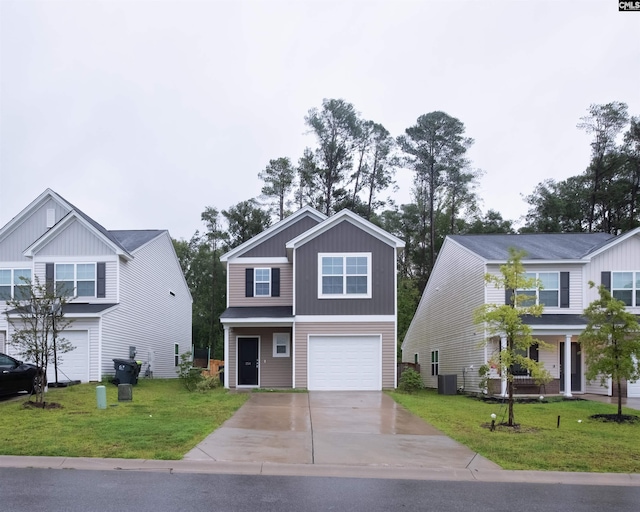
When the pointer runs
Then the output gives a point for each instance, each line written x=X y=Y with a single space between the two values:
x=39 y=382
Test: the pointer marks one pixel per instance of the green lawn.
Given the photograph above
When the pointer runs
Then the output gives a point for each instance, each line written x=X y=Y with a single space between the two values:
x=163 y=421
x=580 y=444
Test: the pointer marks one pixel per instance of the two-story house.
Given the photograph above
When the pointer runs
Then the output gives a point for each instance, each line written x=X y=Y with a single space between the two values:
x=444 y=339
x=311 y=304
x=126 y=287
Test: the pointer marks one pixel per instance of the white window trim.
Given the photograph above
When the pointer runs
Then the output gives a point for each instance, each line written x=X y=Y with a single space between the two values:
x=344 y=294
x=75 y=277
x=435 y=365
x=537 y=290
x=633 y=289
x=176 y=354
x=284 y=340
x=255 y=282
x=12 y=284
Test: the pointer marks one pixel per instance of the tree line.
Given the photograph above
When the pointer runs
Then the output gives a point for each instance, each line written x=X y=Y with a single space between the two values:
x=353 y=164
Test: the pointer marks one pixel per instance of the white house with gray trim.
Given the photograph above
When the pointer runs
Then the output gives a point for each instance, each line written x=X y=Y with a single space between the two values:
x=311 y=304
x=128 y=288
x=444 y=340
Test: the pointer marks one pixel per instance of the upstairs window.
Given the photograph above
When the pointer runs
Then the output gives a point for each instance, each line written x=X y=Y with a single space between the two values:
x=548 y=294
x=625 y=286
x=435 y=362
x=344 y=275
x=14 y=283
x=262 y=282
x=77 y=279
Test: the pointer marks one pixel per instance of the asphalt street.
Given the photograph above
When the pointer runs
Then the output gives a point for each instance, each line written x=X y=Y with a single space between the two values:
x=40 y=490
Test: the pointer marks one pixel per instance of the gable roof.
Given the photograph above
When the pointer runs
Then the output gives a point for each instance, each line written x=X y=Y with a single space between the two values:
x=538 y=246
x=276 y=228
x=349 y=216
x=132 y=239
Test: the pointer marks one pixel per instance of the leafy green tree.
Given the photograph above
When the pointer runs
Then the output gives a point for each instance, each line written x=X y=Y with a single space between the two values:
x=435 y=149
x=611 y=342
x=506 y=320
x=37 y=318
x=278 y=179
x=245 y=220
x=335 y=126
x=408 y=299
x=605 y=122
x=490 y=222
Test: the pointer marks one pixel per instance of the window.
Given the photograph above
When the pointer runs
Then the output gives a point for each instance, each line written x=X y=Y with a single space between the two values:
x=76 y=277
x=549 y=292
x=435 y=362
x=625 y=286
x=176 y=354
x=531 y=353
x=262 y=282
x=281 y=344
x=14 y=283
x=344 y=275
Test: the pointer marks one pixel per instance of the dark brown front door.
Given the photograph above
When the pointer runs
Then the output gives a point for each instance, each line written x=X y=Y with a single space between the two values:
x=247 y=361
x=576 y=367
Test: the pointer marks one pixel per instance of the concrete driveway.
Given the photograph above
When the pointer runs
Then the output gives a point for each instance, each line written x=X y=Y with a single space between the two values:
x=333 y=428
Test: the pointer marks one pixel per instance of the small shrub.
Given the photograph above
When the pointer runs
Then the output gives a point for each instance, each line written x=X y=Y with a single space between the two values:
x=189 y=375
x=207 y=383
x=410 y=381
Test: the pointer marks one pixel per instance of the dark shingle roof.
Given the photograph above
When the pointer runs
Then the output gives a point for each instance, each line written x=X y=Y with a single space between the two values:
x=257 y=312
x=130 y=240
x=539 y=246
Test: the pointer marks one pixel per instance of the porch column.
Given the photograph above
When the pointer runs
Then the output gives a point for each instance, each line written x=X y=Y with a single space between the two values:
x=226 y=357
x=503 y=383
x=567 y=366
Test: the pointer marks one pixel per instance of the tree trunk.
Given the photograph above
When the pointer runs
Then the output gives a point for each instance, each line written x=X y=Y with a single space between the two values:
x=619 y=382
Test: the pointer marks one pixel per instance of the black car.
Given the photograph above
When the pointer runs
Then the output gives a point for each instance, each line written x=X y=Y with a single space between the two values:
x=16 y=376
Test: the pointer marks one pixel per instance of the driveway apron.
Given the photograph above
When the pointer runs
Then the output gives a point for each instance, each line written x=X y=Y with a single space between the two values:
x=333 y=428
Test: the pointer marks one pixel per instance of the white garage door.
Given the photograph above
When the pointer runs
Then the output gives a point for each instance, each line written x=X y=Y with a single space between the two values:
x=345 y=363
x=75 y=364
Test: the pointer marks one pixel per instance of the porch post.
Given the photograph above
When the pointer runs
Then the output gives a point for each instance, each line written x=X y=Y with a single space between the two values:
x=567 y=366
x=226 y=357
x=503 y=383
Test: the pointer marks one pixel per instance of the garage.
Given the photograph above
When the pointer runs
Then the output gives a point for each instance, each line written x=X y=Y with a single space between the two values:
x=74 y=364
x=345 y=363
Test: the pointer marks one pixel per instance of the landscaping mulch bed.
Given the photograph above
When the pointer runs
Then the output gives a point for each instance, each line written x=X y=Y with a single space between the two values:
x=41 y=405
x=614 y=418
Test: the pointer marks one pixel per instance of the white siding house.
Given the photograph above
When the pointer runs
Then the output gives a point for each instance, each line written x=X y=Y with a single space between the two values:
x=128 y=288
x=444 y=339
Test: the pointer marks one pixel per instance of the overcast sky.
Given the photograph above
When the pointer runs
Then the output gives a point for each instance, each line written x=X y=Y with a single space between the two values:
x=142 y=113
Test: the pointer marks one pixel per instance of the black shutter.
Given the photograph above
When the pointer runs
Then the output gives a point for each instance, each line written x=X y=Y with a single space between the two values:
x=275 y=282
x=605 y=280
x=533 y=352
x=508 y=296
x=564 y=289
x=101 y=284
x=248 y=282
x=48 y=274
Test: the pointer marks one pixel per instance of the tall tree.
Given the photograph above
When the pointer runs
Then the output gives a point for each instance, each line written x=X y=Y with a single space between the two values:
x=506 y=320
x=335 y=126
x=605 y=122
x=278 y=179
x=245 y=220
x=434 y=148
x=36 y=315
x=611 y=342
x=490 y=222
x=380 y=170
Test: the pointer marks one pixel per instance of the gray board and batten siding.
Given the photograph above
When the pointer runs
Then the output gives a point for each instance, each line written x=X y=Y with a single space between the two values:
x=275 y=245
x=344 y=237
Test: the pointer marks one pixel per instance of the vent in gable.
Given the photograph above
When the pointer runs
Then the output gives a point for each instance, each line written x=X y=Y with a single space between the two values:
x=51 y=217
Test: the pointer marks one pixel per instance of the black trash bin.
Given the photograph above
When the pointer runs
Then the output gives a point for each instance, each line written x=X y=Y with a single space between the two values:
x=127 y=371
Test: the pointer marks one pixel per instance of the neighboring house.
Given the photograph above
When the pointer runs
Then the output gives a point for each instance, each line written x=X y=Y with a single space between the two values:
x=311 y=304
x=128 y=289
x=443 y=338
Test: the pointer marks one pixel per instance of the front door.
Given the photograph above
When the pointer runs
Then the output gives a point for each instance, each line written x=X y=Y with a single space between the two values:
x=576 y=367
x=248 y=361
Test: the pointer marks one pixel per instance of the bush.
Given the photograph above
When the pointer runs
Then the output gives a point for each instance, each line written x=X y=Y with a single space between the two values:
x=410 y=381
x=207 y=383
x=189 y=375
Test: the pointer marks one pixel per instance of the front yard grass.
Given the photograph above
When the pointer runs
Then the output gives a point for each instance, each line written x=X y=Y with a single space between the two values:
x=163 y=421
x=580 y=444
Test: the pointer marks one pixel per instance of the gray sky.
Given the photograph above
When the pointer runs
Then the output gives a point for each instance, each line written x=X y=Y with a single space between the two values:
x=142 y=113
